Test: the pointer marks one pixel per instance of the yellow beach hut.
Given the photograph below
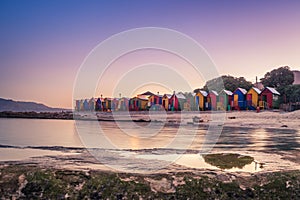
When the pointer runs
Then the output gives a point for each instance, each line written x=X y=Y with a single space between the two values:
x=200 y=99
x=166 y=101
x=252 y=98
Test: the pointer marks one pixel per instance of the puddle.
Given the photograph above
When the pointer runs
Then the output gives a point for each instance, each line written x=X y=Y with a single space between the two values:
x=226 y=162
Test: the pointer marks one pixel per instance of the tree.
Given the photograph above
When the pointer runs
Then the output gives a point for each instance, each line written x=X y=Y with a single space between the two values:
x=292 y=93
x=281 y=79
x=227 y=82
x=278 y=78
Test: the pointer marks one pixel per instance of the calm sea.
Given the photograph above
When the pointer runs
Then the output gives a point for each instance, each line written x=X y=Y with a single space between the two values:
x=155 y=141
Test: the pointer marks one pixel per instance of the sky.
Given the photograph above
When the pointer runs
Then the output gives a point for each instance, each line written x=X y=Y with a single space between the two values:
x=44 y=43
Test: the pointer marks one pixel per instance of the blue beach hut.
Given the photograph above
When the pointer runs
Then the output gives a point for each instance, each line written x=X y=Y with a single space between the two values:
x=239 y=99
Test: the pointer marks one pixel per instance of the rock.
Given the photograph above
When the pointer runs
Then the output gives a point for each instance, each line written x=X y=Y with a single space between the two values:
x=163 y=185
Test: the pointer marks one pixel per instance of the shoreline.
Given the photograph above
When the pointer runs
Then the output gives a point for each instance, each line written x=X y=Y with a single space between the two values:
x=246 y=119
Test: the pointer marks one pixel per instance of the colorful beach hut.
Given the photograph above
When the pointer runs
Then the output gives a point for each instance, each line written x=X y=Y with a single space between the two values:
x=225 y=99
x=98 y=106
x=212 y=100
x=92 y=104
x=77 y=105
x=155 y=99
x=166 y=101
x=107 y=104
x=268 y=98
x=239 y=97
x=177 y=101
x=252 y=98
x=200 y=99
x=81 y=108
x=137 y=103
x=114 y=104
x=124 y=104
x=86 y=105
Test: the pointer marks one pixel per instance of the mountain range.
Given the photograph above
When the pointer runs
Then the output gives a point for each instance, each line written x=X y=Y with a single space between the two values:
x=21 y=106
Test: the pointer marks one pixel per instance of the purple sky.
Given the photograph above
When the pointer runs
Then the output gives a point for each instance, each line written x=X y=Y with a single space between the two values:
x=43 y=43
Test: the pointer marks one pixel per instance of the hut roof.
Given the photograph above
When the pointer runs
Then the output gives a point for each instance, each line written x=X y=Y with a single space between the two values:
x=214 y=92
x=242 y=90
x=273 y=90
x=204 y=93
x=167 y=95
x=180 y=96
x=256 y=90
x=147 y=93
x=228 y=92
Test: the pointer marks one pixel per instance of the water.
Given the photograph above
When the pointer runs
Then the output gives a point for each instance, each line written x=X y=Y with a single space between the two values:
x=38 y=132
x=126 y=146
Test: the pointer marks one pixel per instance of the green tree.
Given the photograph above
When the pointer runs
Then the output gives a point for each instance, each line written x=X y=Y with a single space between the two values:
x=282 y=79
x=227 y=82
x=278 y=78
x=292 y=93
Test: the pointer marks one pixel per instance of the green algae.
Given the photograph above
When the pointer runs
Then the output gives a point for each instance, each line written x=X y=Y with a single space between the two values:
x=27 y=182
x=228 y=161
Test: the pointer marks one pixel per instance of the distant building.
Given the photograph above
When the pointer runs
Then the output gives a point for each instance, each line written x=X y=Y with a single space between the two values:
x=259 y=85
x=296 y=77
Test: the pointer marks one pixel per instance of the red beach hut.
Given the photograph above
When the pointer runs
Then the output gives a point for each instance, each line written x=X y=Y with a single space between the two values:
x=268 y=98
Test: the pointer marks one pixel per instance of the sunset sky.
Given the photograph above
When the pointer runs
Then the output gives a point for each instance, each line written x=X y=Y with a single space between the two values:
x=43 y=43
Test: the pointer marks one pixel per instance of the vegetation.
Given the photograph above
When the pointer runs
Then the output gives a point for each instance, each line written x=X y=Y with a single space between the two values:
x=28 y=182
x=230 y=83
x=278 y=78
x=292 y=93
x=282 y=79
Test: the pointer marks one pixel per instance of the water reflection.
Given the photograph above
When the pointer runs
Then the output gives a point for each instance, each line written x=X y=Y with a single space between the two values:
x=229 y=162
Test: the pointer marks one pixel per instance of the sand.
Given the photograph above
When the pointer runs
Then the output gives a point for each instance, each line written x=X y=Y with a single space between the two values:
x=263 y=119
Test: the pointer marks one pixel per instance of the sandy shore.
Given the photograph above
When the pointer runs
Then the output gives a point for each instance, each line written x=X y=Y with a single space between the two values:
x=251 y=119
x=263 y=119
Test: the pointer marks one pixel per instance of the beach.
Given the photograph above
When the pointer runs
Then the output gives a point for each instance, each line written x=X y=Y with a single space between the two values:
x=255 y=152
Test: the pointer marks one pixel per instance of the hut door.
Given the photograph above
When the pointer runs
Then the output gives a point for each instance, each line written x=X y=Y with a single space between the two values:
x=249 y=99
x=222 y=100
x=264 y=98
x=197 y=101
x=235 y=99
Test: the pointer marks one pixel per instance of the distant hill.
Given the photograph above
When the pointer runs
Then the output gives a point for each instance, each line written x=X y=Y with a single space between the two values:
x=296 y=77
x=21 y=106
